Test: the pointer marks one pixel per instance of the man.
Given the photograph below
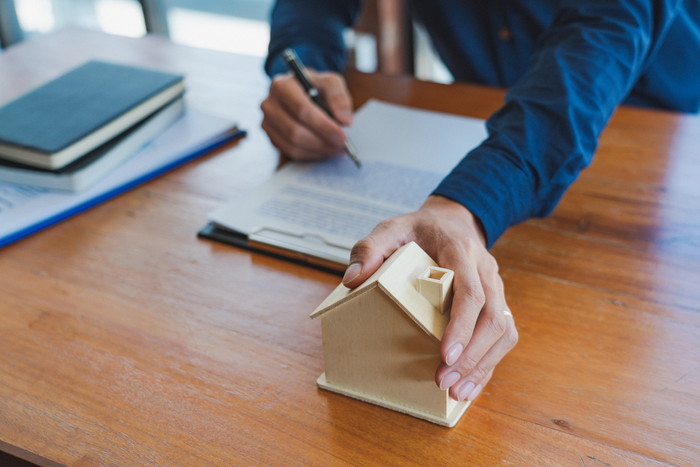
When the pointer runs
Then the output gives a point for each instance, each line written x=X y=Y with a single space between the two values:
x=567 y=65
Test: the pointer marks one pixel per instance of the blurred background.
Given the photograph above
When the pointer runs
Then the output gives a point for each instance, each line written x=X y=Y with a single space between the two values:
x=384 y=39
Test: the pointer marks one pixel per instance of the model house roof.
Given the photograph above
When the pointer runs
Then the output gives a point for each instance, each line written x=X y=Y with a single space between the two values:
x=398 y=278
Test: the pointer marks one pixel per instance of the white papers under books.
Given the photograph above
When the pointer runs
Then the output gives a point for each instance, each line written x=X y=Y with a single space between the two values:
x=317 y=211
x=88 y=169
x=25 y=209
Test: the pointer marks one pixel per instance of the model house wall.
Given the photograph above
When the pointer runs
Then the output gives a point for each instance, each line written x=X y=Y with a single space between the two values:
x=381 y=341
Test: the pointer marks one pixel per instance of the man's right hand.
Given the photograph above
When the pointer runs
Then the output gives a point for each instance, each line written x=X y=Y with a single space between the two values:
x=297 y=126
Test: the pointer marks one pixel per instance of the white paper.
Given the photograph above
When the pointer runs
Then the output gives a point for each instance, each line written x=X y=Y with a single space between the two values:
x=323 y=208
x=24 y=209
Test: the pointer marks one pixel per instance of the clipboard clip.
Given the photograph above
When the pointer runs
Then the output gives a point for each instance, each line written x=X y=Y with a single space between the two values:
x=307 y=248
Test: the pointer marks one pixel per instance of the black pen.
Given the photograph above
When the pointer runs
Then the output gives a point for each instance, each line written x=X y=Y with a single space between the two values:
x=292 y=60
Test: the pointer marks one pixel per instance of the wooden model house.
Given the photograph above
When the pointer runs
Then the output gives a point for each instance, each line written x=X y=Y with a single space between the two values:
x=381 y=340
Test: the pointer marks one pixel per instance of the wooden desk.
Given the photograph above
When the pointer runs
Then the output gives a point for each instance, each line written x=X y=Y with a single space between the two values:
x=128 y=341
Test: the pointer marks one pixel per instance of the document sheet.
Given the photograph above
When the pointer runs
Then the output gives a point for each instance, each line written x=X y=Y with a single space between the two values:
x=320 y=209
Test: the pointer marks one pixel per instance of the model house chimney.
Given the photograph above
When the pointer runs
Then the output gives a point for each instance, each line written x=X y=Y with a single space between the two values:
x=435 y=284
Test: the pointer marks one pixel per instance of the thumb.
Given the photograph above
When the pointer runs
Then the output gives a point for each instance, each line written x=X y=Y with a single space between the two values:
x=370 y=252
x=364 y=260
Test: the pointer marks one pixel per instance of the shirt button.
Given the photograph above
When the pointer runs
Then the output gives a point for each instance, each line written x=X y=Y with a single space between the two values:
x=505 y=34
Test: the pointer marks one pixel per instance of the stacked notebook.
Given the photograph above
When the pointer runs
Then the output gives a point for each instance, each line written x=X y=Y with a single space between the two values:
x=72 y=131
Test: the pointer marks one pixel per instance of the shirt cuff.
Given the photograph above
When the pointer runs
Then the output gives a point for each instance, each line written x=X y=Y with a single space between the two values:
x=494 y=190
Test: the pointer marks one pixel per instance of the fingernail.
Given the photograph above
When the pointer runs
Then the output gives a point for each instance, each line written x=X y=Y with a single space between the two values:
x=453 y=354
x=449 y=380
x=465 y=390
x=352 y=272
x=475 y=392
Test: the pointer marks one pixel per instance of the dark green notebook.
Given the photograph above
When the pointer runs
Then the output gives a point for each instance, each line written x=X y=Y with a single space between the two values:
x=68 y=117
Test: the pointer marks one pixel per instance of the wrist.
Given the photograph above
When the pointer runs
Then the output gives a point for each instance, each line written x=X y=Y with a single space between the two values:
x=452 y=209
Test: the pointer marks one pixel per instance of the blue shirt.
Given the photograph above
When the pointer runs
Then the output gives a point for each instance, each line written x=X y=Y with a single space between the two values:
x=567 y=64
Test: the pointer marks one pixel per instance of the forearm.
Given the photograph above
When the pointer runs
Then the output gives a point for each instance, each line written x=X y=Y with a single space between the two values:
x=547 y=131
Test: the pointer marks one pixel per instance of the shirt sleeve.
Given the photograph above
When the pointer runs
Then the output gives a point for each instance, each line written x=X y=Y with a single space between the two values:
x=314 y=28
x=584 y=65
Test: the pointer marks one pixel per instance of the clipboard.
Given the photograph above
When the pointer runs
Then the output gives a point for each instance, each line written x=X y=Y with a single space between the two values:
x=313 y=213
x=276 y=248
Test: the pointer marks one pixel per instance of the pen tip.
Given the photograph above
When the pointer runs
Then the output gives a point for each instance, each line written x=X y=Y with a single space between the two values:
x=350 y=150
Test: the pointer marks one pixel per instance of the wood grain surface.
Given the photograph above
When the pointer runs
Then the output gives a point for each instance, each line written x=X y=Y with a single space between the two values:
x=126 y=340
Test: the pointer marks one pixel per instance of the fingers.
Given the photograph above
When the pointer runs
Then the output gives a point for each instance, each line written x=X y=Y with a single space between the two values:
x=293 y=139
x=478 y=291
x=479 y=334
x=468 y=295
x=469 y=390
x=470 y=386
x=370 y=252
x=493 y=336
x=300 y=128
x=303 y=110
x=477 y=368
x=334 y=89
